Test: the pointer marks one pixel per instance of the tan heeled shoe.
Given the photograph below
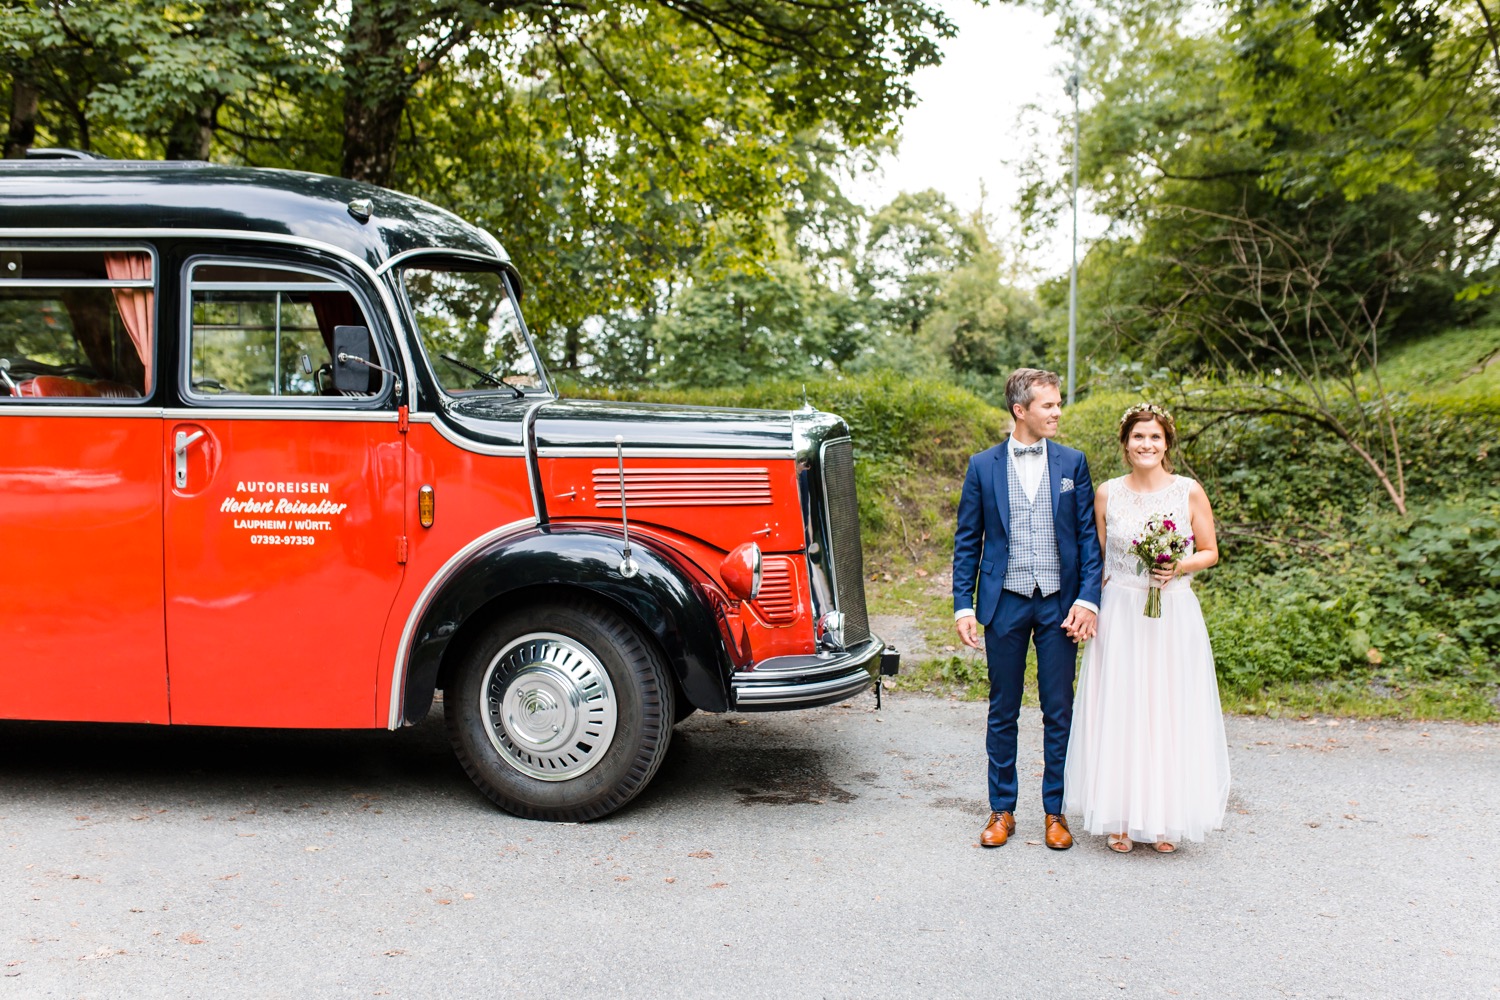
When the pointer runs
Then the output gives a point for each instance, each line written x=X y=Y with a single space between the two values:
x=1164 y=847
x=1120 y=843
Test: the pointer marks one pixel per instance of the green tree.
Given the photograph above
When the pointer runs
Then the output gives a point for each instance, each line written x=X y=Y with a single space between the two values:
x=1294 y=185
x=153 y=77
x=912 y=246
x=984 y=325
x=743 y=317
x=945 y=304
x=609 y=142
x=1345 y=121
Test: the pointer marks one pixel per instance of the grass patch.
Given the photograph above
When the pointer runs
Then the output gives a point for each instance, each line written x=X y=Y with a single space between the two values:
x=1354 y=699
x=1461 y=365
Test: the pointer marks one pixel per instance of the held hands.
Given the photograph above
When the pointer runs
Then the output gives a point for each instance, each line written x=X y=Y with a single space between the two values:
x=1080 y=623
x=1080 y=626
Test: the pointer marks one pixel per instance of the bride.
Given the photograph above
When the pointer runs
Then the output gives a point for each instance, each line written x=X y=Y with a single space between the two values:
x=1147 y=758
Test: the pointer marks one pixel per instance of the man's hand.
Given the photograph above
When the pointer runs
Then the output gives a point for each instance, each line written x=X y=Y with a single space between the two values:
x=968 y=630
x=1080 y=623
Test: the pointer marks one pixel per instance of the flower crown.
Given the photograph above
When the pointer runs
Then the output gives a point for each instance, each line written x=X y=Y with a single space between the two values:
x=1151 y=408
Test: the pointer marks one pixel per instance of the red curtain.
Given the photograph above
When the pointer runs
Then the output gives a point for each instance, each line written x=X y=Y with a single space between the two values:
x=135 y=304
x=334 y=309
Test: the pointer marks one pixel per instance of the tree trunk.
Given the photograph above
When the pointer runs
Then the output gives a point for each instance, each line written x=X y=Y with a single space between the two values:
x=572 y=346
x=192 y=136
x=376 y=91
x=23 y=110
x=371 y=128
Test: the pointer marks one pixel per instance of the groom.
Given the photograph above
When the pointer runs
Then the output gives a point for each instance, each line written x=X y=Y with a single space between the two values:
x=1026 y=533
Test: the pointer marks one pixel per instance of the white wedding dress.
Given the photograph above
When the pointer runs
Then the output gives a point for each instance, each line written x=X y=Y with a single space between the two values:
x=1146 y=754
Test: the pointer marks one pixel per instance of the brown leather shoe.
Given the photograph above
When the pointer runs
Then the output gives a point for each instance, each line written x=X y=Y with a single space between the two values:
x=998 y=830
x=1058 y=838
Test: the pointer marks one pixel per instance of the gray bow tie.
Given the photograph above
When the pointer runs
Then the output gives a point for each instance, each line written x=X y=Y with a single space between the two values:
x=1030 y=449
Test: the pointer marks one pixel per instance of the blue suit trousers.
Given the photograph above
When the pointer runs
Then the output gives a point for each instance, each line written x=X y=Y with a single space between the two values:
x=1018 y=622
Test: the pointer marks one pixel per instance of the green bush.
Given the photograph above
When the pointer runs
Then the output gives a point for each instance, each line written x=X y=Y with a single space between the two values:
x=1322 y=580
x=1431 y=589
x=1292 y=631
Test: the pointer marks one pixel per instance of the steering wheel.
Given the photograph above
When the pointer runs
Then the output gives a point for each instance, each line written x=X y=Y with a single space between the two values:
x=10 y=384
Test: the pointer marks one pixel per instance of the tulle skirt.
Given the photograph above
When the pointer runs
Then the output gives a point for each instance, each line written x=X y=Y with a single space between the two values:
x=1147 y=755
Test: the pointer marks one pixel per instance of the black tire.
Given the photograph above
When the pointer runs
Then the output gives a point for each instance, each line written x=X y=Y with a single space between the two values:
x=560 y=711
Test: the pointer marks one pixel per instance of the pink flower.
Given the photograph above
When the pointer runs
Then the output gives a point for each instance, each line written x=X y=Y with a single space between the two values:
x=1163 y=557
x=1168 y=525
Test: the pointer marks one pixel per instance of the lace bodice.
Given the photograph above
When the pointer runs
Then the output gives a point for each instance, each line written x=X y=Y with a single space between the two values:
x=1126 y=514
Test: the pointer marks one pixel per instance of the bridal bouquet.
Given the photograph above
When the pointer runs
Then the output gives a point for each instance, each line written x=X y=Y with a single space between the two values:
x=1160 y=545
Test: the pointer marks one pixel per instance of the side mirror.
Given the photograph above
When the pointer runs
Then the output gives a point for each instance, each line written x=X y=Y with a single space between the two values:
x=351 y=358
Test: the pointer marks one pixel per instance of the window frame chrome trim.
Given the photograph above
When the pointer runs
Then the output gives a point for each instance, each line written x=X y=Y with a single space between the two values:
x=385 y=397
x=265 y=286
x=86 y=407
x=80 y=283
x=392 y=262
x=205 y=413
x=513 y=294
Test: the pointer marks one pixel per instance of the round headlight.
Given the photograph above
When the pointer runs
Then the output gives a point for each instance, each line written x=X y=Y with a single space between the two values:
x=740 y=571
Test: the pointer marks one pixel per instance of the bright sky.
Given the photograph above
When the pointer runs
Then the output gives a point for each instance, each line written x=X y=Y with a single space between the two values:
x=967 y=128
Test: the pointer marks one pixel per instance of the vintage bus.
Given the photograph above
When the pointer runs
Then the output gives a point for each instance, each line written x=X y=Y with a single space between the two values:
x=279 y=451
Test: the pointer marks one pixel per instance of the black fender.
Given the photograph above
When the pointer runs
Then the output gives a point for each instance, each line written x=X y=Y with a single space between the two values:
x=671 y=601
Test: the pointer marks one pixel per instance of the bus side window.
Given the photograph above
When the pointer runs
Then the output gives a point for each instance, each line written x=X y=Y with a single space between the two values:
x=258 y=330
x=76 y=323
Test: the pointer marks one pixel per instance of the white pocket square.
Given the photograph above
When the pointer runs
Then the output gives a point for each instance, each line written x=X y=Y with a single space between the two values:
x=1067 y=485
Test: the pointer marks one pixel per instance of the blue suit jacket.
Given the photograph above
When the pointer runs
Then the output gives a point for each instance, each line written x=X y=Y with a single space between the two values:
x=981 y=542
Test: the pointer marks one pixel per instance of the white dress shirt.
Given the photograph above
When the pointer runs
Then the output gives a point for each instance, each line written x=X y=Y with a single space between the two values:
x=1032 y=469
x=1032 y=472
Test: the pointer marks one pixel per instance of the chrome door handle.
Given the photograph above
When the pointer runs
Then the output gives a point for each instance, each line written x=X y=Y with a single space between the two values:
x=179 y=454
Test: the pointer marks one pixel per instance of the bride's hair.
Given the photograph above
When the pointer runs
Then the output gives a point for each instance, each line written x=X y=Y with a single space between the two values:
x=1142 y=413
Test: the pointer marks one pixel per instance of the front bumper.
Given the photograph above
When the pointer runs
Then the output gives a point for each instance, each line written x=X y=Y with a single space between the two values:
x=787 y=682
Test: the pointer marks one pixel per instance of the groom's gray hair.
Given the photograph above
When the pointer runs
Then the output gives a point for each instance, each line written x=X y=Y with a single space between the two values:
x=1020 y=388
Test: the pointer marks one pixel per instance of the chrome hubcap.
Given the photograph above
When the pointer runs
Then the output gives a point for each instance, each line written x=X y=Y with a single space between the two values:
x=550 y=706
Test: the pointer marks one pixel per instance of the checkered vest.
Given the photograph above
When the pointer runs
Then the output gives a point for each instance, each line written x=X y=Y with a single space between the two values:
x=1033 y=561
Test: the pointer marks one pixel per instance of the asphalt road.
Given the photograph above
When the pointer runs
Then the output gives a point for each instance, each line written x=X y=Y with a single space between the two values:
x=830 y=853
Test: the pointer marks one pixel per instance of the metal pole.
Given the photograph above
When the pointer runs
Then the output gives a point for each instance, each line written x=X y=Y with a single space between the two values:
x=1073 y=82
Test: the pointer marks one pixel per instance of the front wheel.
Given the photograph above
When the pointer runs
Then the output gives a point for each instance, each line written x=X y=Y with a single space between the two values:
x=561 y=711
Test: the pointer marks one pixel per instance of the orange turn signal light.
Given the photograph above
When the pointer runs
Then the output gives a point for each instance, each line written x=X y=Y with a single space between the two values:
x=740 y=571
x=425 y=506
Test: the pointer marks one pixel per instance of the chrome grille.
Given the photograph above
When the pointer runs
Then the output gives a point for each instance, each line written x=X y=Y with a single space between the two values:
x=842 y=507
x=677 y=487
